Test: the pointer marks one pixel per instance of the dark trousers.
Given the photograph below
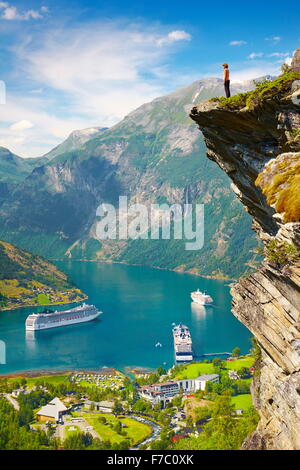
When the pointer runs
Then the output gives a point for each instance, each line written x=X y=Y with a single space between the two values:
x=227 y=88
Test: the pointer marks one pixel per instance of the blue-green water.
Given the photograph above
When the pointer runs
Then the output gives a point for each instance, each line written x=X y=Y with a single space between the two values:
x=139 y=304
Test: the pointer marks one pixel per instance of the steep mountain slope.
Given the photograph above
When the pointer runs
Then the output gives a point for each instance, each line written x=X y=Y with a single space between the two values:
x=254 y=138
x=15 y=169
x=27 y=279
x=154 y=155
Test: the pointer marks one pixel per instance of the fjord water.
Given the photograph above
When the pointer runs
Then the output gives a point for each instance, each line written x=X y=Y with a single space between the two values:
x=139 y=304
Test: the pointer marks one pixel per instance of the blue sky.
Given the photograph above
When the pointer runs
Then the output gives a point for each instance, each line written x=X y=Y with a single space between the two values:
x=76 y=64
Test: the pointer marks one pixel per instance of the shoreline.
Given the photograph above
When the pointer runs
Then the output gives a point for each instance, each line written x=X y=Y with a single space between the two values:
x=54 y=372
x=175 y=270
x=7 y=309
x=127 y=370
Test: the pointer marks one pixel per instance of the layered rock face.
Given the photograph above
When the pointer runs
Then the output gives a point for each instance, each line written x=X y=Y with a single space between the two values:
x=255 y=139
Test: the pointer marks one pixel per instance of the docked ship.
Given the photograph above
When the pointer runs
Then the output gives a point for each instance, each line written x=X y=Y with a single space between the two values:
x=182 y=343
x=50 y=319
x=201 y=298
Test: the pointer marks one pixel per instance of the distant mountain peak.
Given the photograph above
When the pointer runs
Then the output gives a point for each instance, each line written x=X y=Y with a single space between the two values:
x=75 y=140
x=88 y=132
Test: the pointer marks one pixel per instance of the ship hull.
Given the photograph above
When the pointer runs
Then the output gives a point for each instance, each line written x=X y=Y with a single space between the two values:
x=184 y=358
x=37 y=327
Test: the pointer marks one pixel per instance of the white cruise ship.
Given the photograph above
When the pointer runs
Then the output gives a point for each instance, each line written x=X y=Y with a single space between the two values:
x=182 y=343
x=201 y=298
x=50 y=319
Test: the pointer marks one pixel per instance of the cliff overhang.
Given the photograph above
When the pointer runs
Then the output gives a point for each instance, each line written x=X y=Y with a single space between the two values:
x=242 y=138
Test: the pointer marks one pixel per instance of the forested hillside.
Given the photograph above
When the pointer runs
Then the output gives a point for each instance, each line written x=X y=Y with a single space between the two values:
x=27 y=279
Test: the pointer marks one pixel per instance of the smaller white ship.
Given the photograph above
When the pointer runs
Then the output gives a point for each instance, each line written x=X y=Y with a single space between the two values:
x=201 y=298
x=183 y=345
x=158 y=345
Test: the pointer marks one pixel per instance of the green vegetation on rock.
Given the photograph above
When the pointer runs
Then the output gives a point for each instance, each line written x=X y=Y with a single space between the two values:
x=265 y=90
x=280 y=252
x=235 y=102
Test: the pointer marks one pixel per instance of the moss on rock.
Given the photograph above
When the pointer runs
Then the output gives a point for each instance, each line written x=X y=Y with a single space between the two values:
x=280 y=182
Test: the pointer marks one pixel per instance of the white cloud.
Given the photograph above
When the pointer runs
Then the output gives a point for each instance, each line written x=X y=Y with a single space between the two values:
x=279 y=54
x=173 y=36
x=31 y=14
x=273 y=38
x=254 y=55
x=237 y=43
x=11 y=12
x=21 y=125
x=92 y=76
x=48 y=130
x=84 y=56
x=179 y=35
x=36 y=91
x=101 y=66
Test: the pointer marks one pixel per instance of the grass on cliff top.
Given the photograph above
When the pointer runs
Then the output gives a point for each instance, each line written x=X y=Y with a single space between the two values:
x=267 y=89
x=283 y=191
x=235 y=102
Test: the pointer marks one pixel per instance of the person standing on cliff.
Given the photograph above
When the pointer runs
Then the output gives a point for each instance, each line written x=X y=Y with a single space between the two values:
x=226 y=80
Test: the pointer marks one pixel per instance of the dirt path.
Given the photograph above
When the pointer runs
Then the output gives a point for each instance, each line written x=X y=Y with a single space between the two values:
x=14 y=402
